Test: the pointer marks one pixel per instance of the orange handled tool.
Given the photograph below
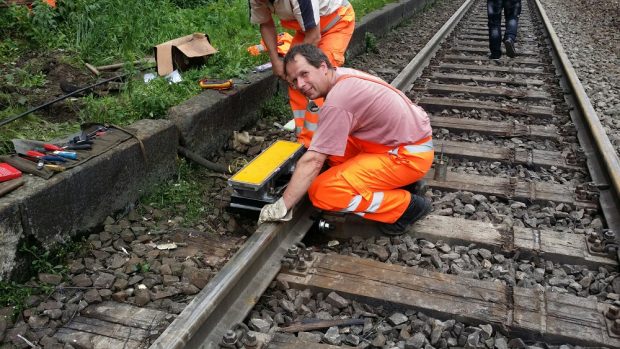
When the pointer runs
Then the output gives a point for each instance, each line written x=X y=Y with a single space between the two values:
x=216 y=84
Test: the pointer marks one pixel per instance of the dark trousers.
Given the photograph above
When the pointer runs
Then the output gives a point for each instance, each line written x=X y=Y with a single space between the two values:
x=512 y=11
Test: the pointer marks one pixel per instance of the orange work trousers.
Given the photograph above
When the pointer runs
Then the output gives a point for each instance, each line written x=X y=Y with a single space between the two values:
x=366 y=180
x=336 y=31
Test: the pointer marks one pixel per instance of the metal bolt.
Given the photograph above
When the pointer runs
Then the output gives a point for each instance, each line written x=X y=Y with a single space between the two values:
x=609 y=234
x=301 y=265
x=592 y=238
x=250 y=340
x=230 y=337
x=293 y=251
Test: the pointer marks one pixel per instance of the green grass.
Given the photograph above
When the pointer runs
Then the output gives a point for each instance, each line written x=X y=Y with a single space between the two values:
x=112 y=31
x=50 y=261
x=185 y=193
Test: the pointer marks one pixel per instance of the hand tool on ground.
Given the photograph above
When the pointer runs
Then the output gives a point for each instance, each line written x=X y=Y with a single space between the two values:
x=55 y=168
x=263 y=179
x=216 y=84
x=60 y=151
x=41 y=156
x=11 y=185
x=8 y=172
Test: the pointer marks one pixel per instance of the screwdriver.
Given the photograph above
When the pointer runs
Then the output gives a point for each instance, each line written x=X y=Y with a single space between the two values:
x=41 y=156
x=56 y=150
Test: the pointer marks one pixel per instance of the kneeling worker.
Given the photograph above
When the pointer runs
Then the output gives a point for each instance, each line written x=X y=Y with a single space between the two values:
x=373 y=137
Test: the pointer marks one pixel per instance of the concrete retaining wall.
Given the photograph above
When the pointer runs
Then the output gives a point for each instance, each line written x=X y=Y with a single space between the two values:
x=54 y=210
x=80 y=199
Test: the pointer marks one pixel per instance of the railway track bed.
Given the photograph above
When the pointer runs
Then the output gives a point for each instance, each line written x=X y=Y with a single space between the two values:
x=520 y=250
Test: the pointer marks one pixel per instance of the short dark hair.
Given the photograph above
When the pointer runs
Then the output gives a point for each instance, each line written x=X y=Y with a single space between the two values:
x=311 y=53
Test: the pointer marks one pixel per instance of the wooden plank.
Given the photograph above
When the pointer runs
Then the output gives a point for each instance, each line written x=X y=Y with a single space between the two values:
x=485 y=43
x=440 y=103
x=514 y=61
x=319 y=325
x=559 y=247
x=486 y=79
x=520 y=190
x=562 y=317
x=529 y=157
x=284 y=341
x=485 y=37
x=436 y=294
x=80 y=339
x=125 y=314
x=554 y=318
x=204 y=243
x=499 y=91
x=502 y=129
x=491 y=68
x=486 y=50
x=107 y=329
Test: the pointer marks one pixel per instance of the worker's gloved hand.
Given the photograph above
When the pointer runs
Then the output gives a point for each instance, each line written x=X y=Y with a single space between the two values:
x=276 y=212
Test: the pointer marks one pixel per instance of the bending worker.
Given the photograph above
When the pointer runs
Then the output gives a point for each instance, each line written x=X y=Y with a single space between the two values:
x=373 y=137
x=327 y=24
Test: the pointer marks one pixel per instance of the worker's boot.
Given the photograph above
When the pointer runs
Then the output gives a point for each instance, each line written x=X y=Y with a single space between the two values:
x=418 y=188
x=419 y=206
x=510 y=48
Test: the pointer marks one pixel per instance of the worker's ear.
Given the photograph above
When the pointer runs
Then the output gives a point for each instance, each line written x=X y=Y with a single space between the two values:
x=324 y=68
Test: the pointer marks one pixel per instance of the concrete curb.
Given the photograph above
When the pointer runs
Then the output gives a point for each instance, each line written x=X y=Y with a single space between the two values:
x=80 y=199
x=77 y=200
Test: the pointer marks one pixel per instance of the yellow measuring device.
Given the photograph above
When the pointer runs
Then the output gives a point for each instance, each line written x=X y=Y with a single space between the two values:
x=263 y=179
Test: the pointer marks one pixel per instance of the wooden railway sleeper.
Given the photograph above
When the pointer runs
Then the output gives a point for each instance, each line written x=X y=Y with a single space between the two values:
x=519 y=130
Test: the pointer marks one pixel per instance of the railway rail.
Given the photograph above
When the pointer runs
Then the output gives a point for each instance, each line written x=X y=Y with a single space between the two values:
x=525 y=174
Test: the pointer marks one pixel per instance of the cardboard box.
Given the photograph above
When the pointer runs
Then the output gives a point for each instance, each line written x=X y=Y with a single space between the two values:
x=183 y=53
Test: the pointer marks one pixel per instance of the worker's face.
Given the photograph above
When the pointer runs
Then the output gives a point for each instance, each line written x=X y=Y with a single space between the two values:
x=312 y=82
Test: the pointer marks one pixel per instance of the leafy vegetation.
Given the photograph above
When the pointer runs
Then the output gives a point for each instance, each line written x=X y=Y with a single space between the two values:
x=113 y=31
x=50 y=261
x=185 y=191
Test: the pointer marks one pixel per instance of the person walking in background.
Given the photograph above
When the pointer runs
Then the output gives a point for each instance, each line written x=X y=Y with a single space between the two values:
x=327 y=24
x=512 y=11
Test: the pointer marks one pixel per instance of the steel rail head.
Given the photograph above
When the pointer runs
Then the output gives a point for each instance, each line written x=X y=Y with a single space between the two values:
x=414 y=69
x=595 y=128
x=233 y=292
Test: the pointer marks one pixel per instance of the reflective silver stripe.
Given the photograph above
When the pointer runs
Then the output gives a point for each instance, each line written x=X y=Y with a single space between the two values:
x=420 y=148
x=355 y=202
x=310 y=126
x=297 y=130
x=331 y=24
x=361 y=214
x=299 y=114
x=335 y=20
x=377 y=199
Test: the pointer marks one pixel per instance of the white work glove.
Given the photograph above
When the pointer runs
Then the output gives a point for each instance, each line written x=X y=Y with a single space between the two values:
x=276 y=212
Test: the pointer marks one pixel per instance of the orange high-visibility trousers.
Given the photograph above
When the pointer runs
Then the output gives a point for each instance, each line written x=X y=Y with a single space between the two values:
x=366 y=180
x=336 y=31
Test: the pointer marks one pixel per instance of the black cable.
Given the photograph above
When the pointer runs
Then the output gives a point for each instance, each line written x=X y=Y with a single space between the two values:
x=13 y=118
